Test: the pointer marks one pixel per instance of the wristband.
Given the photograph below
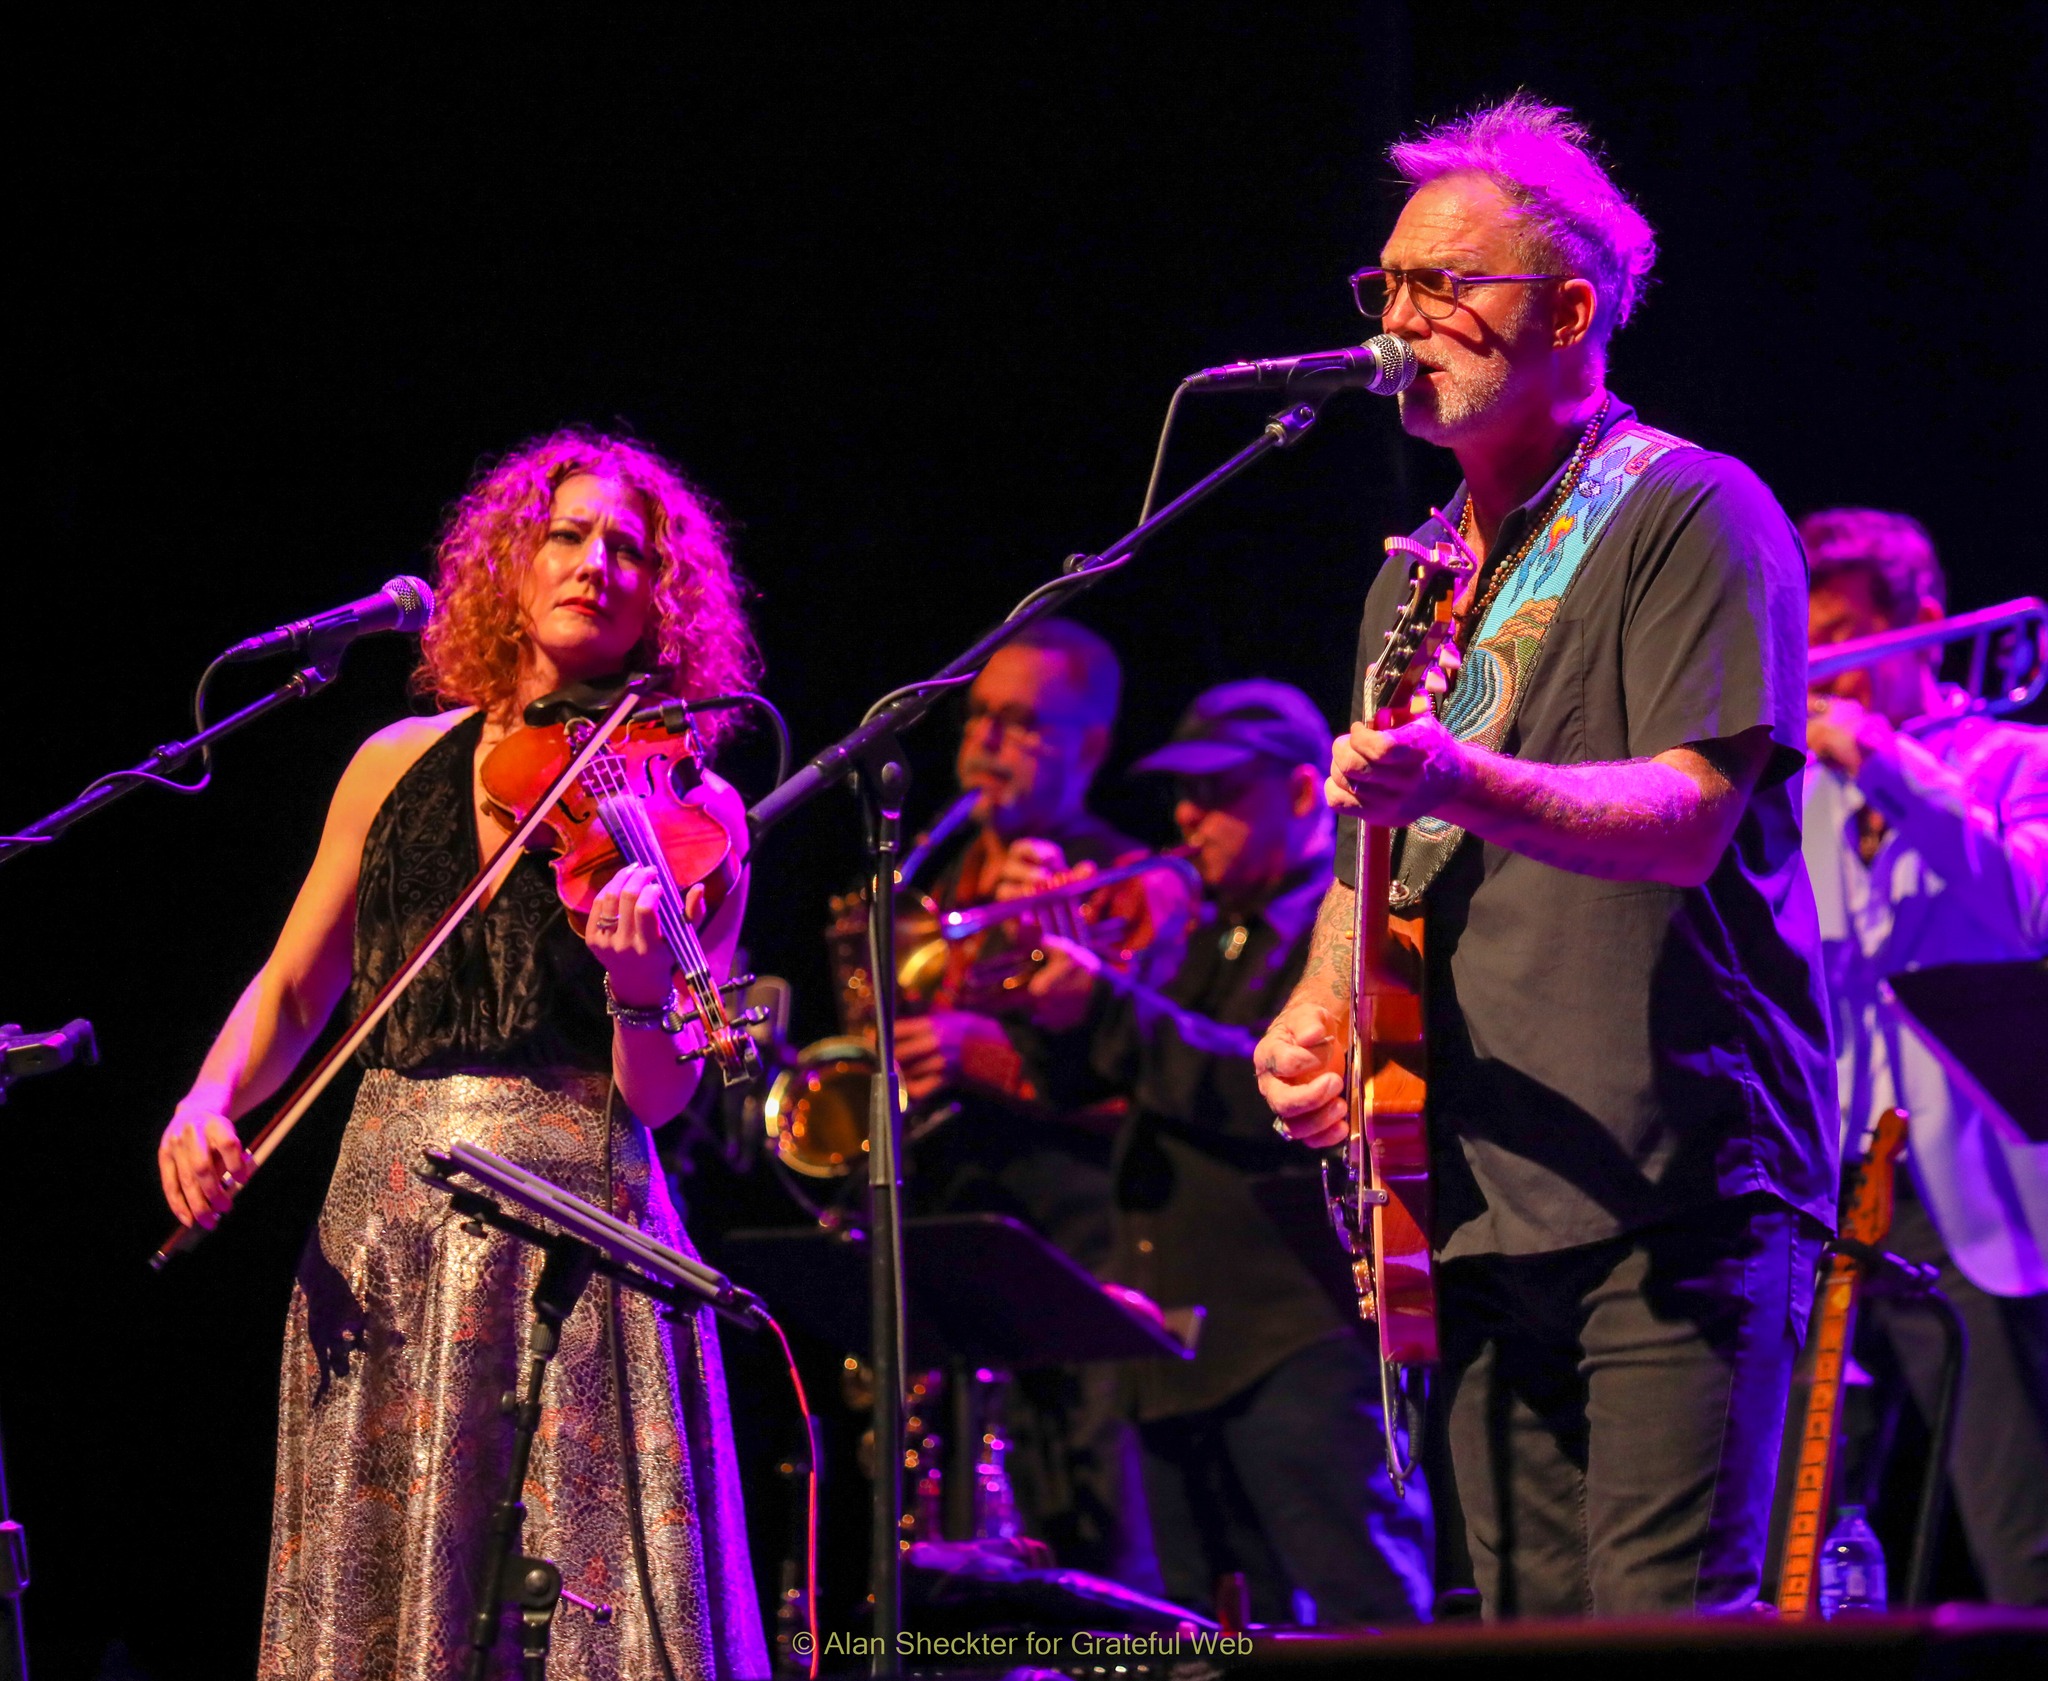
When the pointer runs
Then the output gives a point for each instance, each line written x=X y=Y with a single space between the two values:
x=665 y=1017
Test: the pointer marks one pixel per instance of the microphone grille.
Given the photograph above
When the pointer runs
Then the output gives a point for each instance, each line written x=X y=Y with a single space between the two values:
x=415 y=602
x=1395 y=359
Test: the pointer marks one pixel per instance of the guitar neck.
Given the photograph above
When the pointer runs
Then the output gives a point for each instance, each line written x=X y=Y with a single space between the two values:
x=1867 y=1220
x=1813 y=1485
x=1371 y=937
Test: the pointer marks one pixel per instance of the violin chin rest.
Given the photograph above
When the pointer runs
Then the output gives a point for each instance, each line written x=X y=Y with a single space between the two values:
x=589 y=699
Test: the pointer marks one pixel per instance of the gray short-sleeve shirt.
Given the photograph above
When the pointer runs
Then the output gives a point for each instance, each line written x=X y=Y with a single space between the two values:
x=1604 y=1054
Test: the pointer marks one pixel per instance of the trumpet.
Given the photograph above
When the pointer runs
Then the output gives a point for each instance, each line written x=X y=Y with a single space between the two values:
x=816 y=1110
x=1058 y=907
x=2017 y=667
x=816 y=1113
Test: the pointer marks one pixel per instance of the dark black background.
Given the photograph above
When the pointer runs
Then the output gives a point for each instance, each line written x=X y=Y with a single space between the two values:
x=907 y=294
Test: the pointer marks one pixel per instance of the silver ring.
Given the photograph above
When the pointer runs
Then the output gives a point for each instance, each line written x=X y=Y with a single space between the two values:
x=605 y=924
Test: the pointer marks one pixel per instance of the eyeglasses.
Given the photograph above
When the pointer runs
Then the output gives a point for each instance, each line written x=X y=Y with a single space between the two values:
x=1435 y=292
x=1028 y=729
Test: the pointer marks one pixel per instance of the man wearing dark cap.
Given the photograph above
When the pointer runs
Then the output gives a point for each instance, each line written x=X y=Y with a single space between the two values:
x=1261 y=1454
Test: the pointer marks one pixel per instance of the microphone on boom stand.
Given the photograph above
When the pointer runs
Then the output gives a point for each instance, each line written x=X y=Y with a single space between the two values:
x=1383 y=365
x=404 y=604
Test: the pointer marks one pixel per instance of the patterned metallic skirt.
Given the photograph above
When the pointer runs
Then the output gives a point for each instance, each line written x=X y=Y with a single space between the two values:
x=405 y=1331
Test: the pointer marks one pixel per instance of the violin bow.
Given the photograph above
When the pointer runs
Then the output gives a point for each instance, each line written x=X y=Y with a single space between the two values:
x=274 y=1130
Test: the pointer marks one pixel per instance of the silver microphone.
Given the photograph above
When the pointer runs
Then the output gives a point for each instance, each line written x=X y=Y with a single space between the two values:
x=1383 y=365
x=404 y=604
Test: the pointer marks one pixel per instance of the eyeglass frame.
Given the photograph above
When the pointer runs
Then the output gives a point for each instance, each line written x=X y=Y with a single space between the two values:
x=1031 y=735
x=1458 y=284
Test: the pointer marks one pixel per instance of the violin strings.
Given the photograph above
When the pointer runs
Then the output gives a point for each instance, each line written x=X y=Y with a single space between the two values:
x=626 y=818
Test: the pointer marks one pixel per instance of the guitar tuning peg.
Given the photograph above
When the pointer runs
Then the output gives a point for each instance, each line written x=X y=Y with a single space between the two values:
x=739 y=983
x=754 y=1017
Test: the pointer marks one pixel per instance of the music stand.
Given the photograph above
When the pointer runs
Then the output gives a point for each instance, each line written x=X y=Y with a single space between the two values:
x=1973 y=1018
x=983 y=1292
x=981 y=1289
x=589 y=1241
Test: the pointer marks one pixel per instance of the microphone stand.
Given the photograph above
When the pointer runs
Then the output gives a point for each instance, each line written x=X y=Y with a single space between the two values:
x=13 y=1580
x=870 y=755
x=21 y=1055
x=308 y=680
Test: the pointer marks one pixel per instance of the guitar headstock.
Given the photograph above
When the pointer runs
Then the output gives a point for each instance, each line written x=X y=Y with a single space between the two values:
x=1869 y=1214
x=1419 y=659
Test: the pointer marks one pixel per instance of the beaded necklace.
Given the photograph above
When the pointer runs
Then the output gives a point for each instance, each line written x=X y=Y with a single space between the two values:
x=1506 y=569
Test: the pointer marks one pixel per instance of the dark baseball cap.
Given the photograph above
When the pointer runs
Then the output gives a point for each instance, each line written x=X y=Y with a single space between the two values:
x=1234 y=723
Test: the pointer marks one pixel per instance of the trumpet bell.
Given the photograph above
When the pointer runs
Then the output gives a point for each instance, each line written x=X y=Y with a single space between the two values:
x=921 y=971
x=816 y=1112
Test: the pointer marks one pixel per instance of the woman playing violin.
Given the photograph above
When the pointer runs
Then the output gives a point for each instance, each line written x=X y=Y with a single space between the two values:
x=574 y=559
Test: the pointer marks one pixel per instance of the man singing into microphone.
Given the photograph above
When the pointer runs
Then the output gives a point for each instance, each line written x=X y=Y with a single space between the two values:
x=1631 y=1114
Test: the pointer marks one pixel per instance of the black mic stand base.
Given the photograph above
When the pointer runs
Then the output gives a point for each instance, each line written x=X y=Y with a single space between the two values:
x=533 y=1584
x=1915 y=1284
x=13 y=1582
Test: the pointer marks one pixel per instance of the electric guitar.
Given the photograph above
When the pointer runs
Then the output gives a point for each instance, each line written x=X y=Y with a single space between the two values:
x=1866 y=1220
x=1377 y=1183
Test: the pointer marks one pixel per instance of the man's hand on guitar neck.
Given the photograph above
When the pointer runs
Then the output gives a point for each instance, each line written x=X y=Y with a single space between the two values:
x=1391 y=777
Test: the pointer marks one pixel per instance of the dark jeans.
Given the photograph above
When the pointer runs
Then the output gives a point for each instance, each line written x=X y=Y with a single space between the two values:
x=1287 y=1482
x=1615 y=1411
x=1998 y=1468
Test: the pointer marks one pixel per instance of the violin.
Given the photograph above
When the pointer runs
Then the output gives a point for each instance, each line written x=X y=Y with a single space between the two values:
x=643 y=798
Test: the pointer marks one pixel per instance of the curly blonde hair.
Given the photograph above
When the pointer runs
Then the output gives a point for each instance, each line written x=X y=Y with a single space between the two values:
x=470 y=652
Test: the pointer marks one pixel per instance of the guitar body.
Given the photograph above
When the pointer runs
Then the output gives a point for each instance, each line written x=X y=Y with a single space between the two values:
x=1388 y=1153
x=1378 y=1186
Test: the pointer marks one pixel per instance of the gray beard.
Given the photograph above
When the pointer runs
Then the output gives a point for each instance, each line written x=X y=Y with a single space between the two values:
x=1439 y=414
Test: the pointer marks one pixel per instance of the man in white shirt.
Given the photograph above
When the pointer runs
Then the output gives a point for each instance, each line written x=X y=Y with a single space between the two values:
x=1926 y=836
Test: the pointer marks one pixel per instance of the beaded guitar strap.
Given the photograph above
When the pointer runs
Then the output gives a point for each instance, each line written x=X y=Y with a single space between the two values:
x=1483 y=702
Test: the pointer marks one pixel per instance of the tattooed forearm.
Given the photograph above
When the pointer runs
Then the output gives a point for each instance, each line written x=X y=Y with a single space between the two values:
x=1666 y=819
x=1326 y=976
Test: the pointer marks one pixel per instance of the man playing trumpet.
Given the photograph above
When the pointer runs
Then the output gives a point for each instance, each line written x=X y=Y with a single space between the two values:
x=1039 y=721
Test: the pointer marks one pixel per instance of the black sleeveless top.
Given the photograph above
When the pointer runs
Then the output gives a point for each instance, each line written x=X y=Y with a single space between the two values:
x=515 y=986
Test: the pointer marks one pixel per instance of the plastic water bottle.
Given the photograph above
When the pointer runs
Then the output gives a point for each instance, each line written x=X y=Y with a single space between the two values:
x=1851 y=1567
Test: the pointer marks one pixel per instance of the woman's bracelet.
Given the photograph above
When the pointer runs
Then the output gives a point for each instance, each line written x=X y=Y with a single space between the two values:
x=665 y=1017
